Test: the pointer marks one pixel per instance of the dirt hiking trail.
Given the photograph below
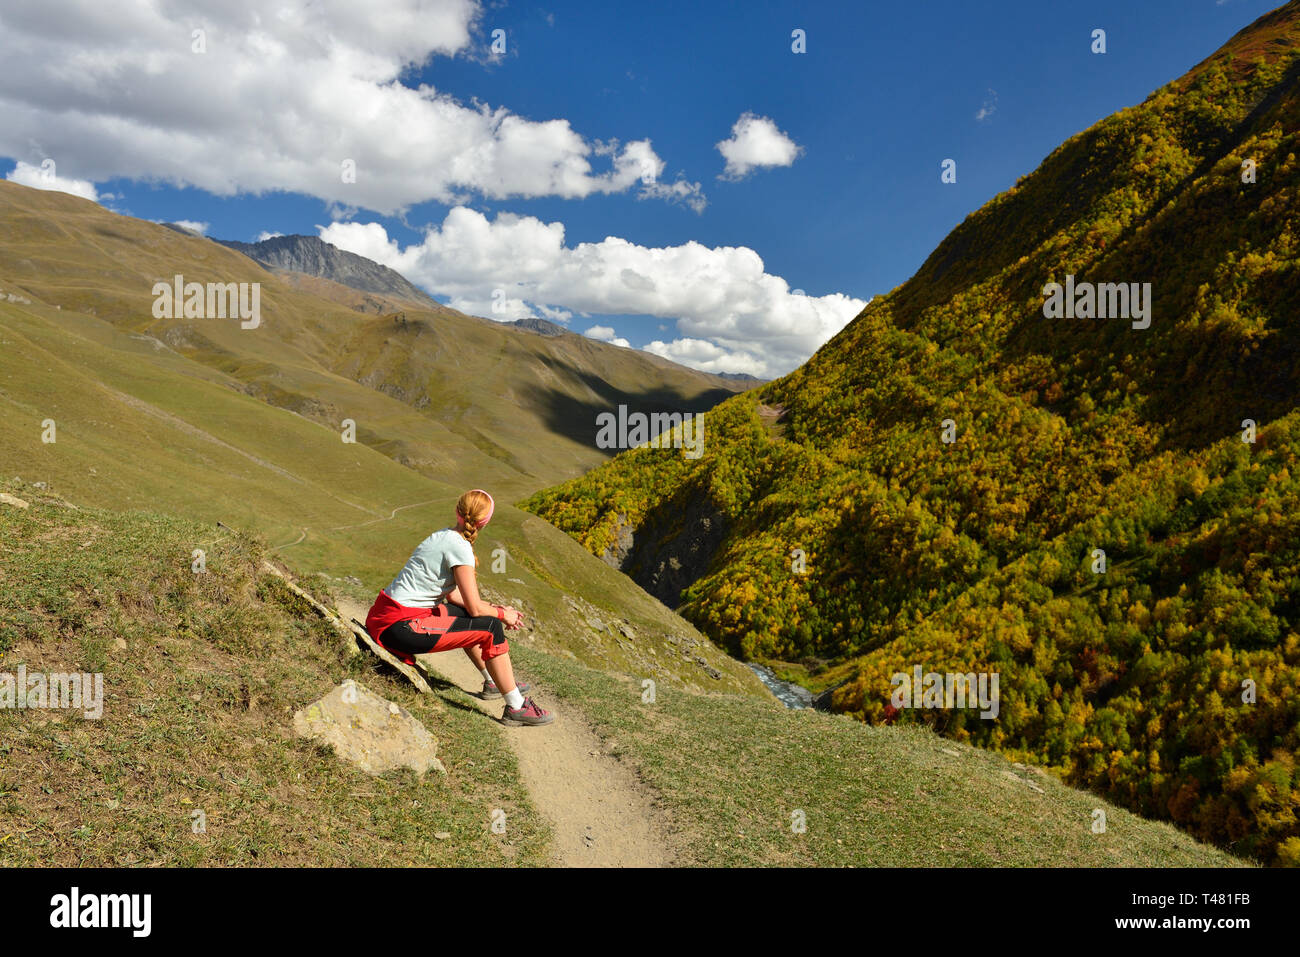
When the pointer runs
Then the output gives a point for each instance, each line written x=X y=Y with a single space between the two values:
x=600 y=813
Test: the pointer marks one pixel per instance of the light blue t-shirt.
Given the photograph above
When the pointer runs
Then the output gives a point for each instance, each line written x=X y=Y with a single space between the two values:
x=427 y=577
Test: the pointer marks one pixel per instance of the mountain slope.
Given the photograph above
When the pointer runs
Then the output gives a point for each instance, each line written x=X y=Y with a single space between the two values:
x=543 y=326
x=201 y=674
x=932 y=488
x=204 y=419
x=136 y=426
x=496 y=406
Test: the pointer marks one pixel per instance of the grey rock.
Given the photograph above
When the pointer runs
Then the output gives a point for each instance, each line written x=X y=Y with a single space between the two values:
x=542 y=326
x=369 y=731
x=616 y=554
x=822 y=702
x=315 y=257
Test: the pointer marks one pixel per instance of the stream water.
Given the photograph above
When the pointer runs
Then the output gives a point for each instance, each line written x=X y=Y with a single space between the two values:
x=789 y=694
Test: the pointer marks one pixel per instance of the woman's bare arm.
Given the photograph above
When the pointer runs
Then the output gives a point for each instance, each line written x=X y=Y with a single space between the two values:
x=467 y=586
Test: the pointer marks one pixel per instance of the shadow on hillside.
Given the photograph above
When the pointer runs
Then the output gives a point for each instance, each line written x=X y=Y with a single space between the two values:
x=576 y=418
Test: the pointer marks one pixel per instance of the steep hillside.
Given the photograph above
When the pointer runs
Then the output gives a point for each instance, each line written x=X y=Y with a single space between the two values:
x=497 y=406
x=134 y=425
x=202 y=671
x=201 y=674
x=358 y=300
x=543 y=326
x=937 y=486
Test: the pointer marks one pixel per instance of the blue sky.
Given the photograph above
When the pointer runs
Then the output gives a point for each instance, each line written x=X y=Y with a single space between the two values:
x=843 y=202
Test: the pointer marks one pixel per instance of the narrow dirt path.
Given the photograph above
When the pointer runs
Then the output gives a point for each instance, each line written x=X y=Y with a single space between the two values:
x=600 y=813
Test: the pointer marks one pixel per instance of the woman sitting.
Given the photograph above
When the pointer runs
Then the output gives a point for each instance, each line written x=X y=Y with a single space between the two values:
x=433 y=605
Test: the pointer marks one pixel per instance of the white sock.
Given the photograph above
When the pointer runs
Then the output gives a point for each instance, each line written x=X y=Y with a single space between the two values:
x=514 y=699
x=486 y=676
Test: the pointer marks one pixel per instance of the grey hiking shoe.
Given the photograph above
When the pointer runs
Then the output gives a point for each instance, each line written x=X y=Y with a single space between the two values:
x=490 y=689
x=529 y=714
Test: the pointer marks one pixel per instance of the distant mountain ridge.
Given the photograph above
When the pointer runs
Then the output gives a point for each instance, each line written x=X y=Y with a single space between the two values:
x=740 y=377
x=315 y=257
x=312 y=256
x=541 y=326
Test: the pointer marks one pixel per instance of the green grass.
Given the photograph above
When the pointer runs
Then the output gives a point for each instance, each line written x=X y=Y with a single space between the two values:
x=198 y=717
x=731 y=772
x=140 y=429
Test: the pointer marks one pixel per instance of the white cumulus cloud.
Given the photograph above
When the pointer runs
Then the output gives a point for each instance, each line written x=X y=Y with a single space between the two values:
x=46 y=177
x=554 y=315
x=707 y=356
x=606 y=334
x=730 y=314
x=236 y=96
x=755 y=142
x=192 y=226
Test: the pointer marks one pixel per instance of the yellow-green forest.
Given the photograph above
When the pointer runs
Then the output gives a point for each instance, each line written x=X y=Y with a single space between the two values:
x=938 y=484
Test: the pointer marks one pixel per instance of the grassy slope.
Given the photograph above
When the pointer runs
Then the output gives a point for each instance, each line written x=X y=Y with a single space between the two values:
x=871 y=796
x=144 y=425
x=463 y=399
x=197 y=717
x=158 y=434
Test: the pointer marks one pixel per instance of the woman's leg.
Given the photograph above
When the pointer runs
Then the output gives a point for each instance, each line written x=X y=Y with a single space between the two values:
x=457 y=611
x=489 y=637
x=410 y=637
x=502 y=672
x=483 y=638
x=475 y=656
x=489 y=650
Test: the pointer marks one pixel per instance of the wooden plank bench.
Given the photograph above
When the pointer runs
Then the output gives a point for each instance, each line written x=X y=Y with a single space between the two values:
x=357 y=631
x=414 y=674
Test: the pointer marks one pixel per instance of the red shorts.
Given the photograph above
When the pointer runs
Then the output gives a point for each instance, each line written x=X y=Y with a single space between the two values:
x=407 y=631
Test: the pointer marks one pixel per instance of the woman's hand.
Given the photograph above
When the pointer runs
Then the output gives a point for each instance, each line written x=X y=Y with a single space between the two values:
x=512 y=617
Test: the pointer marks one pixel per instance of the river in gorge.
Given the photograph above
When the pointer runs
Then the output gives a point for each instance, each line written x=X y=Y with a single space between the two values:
x=789 y=694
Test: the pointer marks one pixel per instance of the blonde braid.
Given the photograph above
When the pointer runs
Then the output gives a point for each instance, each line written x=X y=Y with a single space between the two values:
x=474 y=510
